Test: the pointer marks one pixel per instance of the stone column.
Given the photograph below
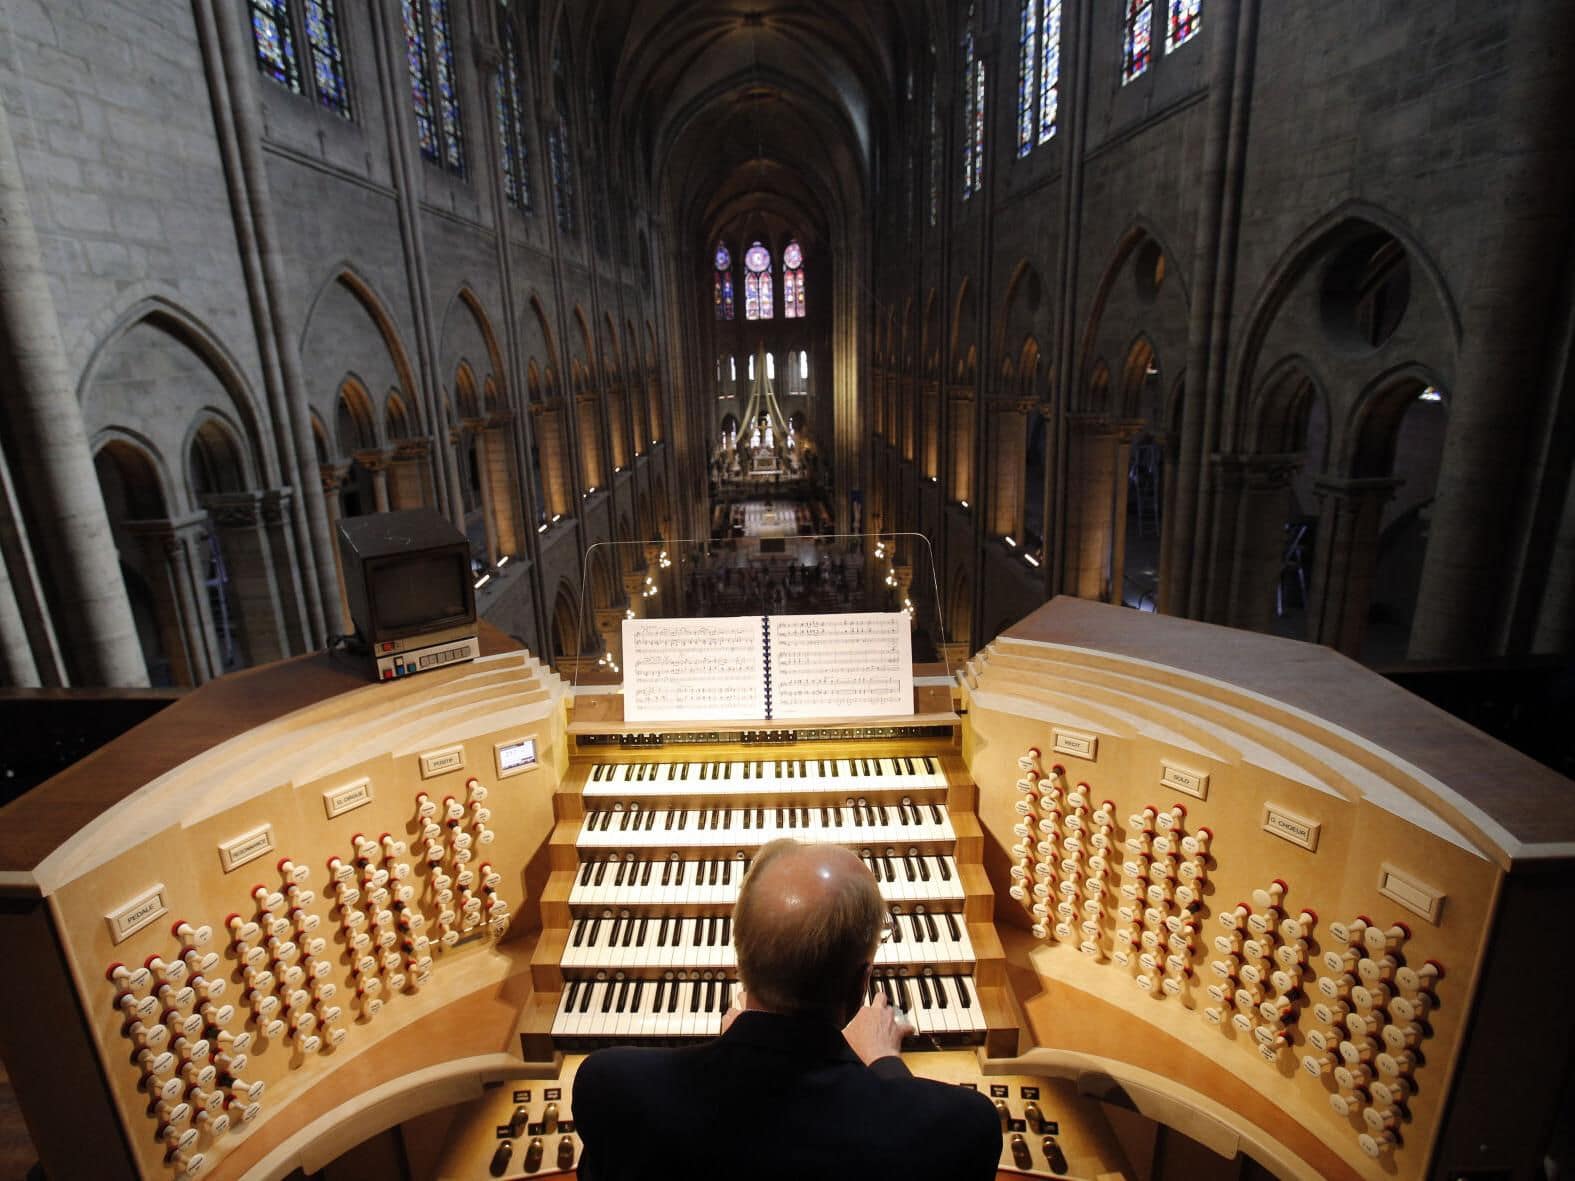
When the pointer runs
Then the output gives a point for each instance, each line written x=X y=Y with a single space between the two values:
x=483 y=471
x=1253 y=500
x=554 y=458
x=240 y=522
x=177 y=580
x=1351 y=511
x=409 y=475
x=376 y=462
x=17 y=667
x=332 y=478
x=51 y=461
x=1098 y=454
x=498 y=476
x=276 y=511
x=609 y=624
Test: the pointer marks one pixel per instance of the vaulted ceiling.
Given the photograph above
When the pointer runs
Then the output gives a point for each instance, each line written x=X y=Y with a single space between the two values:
x=738 y=108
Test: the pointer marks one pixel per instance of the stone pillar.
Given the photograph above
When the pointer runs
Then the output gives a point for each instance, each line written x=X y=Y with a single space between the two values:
x=1098 y=454
x=1253 y=500
x=332 y=478
x=484 y=459
x=51 y=461
x=1351 y=511
x=241 y=525
x=554 y=458
x=277 y=514
x=17 y=667
x=177 y=578
x=499 y=478
x=609 y=625
x=1006 y=486
x=376 y=463
x=409 y=475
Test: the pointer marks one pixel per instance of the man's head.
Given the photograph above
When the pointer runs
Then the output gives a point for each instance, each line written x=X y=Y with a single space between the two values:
x=806 y=927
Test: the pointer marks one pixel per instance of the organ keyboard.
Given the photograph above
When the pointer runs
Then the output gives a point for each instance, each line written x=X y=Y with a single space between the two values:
x=637 y=931
x=1259 y=894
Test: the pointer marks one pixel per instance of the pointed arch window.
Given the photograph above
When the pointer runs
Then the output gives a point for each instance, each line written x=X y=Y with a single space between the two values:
x=1137 y=38
x=434 y=88
x=1027 y=71
x=328 y=57
x=1049 y=69
x=723 y=287
x=973 y=84
x=935 y=146
x=758 y=303
x=512 y=122
x=793 y=281
x=1039 y=73
x=560 y=148
x=277 y=26
x=274 y=39
x=1186 y=17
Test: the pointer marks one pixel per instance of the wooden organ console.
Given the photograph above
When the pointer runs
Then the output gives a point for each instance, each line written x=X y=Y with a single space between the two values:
x=1235 y=884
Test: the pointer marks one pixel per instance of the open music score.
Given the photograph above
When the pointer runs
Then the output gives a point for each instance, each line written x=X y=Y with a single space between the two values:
x=749 y=668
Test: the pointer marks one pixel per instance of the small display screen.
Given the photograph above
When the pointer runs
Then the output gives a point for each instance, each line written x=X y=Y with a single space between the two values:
x=422 y=589
x=516 y=755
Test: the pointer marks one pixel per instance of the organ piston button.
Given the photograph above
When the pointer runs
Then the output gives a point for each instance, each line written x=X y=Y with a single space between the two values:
x=1378 y=941
x=1377 y=1145
x=1347 y=1105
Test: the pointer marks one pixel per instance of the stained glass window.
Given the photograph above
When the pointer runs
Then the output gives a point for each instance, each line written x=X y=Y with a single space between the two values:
x=511 y=122
x=420 y=74
x=935 y=153
x=1136 y=43
x=447 y=88
x=1185 y=18
x=758 y=303
x=275 y=42
x=793 y=281
x=560 y=148
x=723 y=265
x=1049 y=69
x=328 y=57
x=978 y=126
x=1027 y=67
x=967 y=136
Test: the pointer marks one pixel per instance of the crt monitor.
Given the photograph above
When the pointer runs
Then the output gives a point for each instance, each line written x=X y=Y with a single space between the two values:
x=408 y=586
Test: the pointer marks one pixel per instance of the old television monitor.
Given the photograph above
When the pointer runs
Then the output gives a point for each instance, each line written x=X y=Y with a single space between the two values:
x=408 y=585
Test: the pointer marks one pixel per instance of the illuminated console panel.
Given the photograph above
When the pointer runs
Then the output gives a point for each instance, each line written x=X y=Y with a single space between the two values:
x=1270 y=892
x=280 y=933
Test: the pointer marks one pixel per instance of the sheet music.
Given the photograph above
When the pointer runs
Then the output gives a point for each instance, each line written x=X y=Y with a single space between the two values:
x=841 y=666
x=694 y=670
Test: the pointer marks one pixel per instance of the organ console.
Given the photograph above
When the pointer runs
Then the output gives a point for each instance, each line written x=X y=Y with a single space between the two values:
x=1237 y=885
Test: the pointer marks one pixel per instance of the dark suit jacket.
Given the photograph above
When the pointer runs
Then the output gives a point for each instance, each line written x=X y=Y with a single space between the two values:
x=776 y=1097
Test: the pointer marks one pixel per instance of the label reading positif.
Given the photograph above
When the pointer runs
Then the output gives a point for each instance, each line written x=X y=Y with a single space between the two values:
x=339 y=800
x=249 y=846
x=130 y=917
x=439 y=762
x=1069 y=742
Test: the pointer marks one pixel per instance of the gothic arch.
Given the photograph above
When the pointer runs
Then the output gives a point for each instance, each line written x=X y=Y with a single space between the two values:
x=343 y=274
x=107 y=389
x=1141 y=230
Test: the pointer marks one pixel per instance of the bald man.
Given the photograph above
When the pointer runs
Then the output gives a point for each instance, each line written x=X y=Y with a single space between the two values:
x=806 y=1080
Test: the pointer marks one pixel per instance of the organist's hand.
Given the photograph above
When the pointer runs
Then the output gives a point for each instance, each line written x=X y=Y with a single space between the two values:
x=734 y=1009
x=876 y=1031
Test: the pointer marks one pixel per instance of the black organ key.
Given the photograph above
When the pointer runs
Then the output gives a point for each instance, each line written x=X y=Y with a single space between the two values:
x=607 y=996
x=645 y=873
x=628 y=930
x=672 y=997
x=935 y=812
x=586 y=869
x=946 y=873
x=585 y=997
x=924 y=992
x=891 y=869
x=650 y=821
x=639 y=991
x=580 y=928
x=571 y=996
x=940 y=991
x=952 y=927
x=963 y=994
x=921 y=863
x=694 y=997
x=929 y=922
